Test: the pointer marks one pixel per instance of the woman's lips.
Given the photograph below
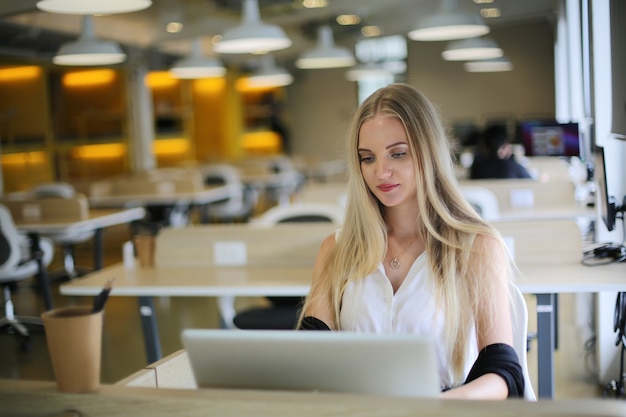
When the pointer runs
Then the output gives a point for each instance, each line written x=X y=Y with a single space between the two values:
x=385 y=188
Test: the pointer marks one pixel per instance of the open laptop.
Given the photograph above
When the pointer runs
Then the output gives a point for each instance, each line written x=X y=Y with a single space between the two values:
x=394 y=365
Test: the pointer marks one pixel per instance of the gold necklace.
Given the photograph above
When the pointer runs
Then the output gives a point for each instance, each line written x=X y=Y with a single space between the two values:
x=395 y=261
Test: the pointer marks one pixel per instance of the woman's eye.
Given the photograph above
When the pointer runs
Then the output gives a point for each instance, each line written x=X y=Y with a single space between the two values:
x=367 y=158
x=398 y=155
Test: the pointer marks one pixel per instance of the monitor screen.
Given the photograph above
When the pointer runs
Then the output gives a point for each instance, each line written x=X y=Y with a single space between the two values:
x=541 y=138
x=605 y=202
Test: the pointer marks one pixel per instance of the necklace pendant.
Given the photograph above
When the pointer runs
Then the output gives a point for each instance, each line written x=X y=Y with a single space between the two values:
x=395 y=263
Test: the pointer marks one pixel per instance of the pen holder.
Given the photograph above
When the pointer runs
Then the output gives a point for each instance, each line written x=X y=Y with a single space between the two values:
x=74 y=336
x=145 y=246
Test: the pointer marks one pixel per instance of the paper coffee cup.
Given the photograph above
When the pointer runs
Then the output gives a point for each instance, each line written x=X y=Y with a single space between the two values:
x=145 y=247
x=74 y=336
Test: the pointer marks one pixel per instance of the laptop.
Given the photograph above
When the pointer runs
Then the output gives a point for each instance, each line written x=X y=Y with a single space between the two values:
x=316 y=361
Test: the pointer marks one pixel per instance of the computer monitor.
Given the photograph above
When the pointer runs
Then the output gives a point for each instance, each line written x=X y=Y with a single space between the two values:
x=545 y=138
x=606 y=202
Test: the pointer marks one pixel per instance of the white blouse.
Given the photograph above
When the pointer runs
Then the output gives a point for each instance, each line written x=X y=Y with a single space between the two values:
x=369 y=305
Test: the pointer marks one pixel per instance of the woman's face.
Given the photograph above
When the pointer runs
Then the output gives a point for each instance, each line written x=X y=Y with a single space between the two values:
x=386 y=163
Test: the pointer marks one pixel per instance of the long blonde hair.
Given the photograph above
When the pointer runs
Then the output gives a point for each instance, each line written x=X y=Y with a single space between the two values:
x=447 y=223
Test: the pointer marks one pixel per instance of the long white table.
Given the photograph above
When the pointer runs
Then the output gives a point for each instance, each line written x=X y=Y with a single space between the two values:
x=97 y=220
x=543 y=281
x=26 y=398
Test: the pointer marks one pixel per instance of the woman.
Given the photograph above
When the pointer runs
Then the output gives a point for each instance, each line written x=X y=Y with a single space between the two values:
x=413 y=256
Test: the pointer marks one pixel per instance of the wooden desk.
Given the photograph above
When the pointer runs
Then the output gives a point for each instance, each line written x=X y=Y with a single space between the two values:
x=27 y=398
x=547 y=253
x=199 y=197
x=96 y=220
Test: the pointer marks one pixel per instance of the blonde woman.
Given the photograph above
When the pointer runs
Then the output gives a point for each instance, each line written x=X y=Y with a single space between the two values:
x=413 y=256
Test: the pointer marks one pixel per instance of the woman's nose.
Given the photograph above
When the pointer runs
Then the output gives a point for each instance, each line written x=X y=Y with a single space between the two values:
x=383 y=170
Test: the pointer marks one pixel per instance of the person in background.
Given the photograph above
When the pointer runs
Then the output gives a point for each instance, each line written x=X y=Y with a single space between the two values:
x=496 y=160
x=413 y=256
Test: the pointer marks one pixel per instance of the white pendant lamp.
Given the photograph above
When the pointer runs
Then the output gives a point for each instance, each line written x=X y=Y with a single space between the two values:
x=489 y=65
x=92 y=6
x=88 y=50
x=196 y=65
x=252 y=35
x=472 y=49
x=325 y=54
x=449 y=23
x=269 y=75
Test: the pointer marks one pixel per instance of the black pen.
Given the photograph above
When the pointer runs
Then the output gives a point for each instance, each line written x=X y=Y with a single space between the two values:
x=101 y=298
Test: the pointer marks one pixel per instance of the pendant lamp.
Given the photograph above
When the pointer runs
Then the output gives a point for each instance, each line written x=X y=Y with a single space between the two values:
x=88 y=50
x=92 y=6
x=472 y=49
x=489 y=65
x=196 y=65
x=325 y=54
x=449 y=23
x=269 y=75
x=252 y=35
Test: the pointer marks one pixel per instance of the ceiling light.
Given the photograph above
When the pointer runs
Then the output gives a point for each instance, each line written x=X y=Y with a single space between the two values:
x=490 y=12
x=252 y=35
x=92 y=6
x=471 y=49
x=314 y=4
x=325 y=54
x=174 y=27
x=88 y=50
x=348 y=19
x=448 y=24
x=196 y=65
x=489 y=65
x=371 y=31
x=269 y=75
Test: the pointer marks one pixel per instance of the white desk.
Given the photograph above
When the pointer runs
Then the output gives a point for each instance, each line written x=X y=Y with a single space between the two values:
x=96 y=221
x=546 y=273
x=205 y=196
x=26 y=398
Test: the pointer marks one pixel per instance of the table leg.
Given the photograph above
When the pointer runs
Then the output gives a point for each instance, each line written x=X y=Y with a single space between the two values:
x=545 y=344
x=98 y=249
x=150 y=329
x=42 y=275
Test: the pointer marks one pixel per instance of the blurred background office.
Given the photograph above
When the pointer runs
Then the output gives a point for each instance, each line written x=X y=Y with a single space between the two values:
x=146 y=108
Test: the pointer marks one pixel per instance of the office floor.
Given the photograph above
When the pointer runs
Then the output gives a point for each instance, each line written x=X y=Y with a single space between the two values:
x=123 y=352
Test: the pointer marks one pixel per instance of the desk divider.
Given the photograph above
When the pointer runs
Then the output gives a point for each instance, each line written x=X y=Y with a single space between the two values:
x=48 y=209
x=543 y=242
x=526 y=193
x=294 y=244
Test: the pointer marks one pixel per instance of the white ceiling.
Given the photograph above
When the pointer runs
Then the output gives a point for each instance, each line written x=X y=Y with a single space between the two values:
x=27 y=32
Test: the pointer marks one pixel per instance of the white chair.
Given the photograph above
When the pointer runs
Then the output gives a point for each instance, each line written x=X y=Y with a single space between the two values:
x=519 y=315
x=241 y=200
x=17 y=263
x=282 y=313
x=65 y=240
x=300 y=212
x=484 y=201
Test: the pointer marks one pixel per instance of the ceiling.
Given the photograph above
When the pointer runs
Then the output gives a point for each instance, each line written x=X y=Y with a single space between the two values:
x=29 y=34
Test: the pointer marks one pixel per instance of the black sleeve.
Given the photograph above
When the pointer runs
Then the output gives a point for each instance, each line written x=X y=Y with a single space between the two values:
x=313 y=323
x=500 y=359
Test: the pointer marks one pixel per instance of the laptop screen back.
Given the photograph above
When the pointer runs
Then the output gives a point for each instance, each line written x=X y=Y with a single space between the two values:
x=395 y=365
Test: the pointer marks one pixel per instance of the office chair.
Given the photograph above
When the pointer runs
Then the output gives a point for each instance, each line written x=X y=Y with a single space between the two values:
x=483 y=200
x=18 y=263
x=282 y=312
x=519 y=316
x=241 y=201
x=65 y=240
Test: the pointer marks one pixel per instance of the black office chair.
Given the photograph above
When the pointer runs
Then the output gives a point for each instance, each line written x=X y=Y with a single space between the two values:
x=282 y=312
